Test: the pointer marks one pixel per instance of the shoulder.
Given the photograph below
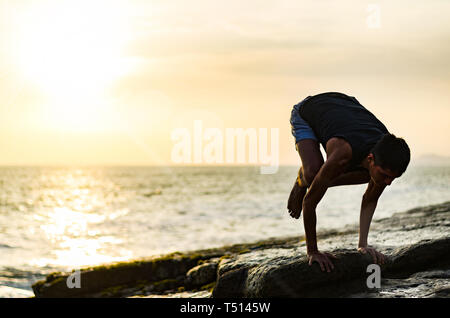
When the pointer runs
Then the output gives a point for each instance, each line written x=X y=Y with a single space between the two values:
x=339 y=150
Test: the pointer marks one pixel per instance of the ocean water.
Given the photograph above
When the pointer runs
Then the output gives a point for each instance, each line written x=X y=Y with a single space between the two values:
x=63 y=218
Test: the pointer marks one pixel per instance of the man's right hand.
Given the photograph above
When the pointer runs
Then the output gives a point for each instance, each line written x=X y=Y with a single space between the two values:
x=323 y=259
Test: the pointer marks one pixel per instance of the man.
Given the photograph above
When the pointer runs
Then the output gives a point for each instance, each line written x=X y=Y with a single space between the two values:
x=359 y=150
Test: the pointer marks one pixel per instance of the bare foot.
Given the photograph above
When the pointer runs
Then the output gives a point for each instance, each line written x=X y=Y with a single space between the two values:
x=295 y=200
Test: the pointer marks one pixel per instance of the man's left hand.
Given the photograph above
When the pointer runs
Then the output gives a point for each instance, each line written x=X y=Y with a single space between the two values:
x=378 y=258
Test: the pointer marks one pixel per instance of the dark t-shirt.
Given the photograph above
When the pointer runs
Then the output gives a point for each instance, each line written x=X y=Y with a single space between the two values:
x=335 y=114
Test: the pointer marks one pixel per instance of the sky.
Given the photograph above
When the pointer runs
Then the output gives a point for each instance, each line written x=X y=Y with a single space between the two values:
x=108 y=82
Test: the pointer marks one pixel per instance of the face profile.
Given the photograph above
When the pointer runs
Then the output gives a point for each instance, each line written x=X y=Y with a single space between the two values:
x=380 y=175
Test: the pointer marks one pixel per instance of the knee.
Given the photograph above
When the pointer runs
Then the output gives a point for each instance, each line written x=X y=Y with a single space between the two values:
x=310 y=172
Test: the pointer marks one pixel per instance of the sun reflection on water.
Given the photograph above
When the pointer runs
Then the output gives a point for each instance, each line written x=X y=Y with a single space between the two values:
x=66 y=221
x=72 y=219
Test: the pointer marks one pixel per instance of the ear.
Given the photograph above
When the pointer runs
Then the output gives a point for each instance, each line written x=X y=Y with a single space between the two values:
x=370 y=158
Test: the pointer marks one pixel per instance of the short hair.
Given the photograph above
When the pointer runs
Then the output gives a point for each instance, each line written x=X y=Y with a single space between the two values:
x=392 y=153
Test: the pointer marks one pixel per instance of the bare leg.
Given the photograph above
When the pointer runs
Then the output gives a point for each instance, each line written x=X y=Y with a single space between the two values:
x=312 y=160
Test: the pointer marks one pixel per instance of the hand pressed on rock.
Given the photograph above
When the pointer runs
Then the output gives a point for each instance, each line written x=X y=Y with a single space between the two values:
x=378 y=258
x=323 y=259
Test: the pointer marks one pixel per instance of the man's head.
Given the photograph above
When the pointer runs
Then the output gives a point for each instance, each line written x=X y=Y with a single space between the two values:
x=388 y=159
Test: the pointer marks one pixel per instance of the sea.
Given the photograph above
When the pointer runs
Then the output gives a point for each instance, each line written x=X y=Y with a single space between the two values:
x=64 y=217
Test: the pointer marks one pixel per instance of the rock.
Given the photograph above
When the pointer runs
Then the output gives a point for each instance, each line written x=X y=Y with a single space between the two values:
x=287 y=273
x=140 y=277
x=421 y=256
x=293 y=277
x=95 y=280
x=416 y=243
x=428 y=284
x=202 y=274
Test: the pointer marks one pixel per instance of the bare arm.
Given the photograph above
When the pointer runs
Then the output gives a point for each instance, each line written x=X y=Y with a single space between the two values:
x=339 y=155
x=352 y=177
x=319 y=186
x=368 y=206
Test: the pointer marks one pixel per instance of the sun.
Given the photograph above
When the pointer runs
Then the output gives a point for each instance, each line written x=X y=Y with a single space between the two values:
x=72 y=51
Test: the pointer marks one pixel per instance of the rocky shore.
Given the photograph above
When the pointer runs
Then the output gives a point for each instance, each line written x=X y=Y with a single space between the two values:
x=417 y=243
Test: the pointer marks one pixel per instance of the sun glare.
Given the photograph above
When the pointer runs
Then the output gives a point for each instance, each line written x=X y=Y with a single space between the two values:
x=72 y=52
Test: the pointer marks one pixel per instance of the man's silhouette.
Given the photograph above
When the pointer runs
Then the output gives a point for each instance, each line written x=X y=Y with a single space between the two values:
x=359 y=150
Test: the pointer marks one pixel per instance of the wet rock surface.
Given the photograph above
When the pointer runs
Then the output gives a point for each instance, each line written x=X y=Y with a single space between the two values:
x=416 y=243
x=430 y=284
x=202 y=274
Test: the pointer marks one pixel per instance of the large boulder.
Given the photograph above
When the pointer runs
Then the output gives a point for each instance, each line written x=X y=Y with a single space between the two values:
x=95 y=280
x=414 y=241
